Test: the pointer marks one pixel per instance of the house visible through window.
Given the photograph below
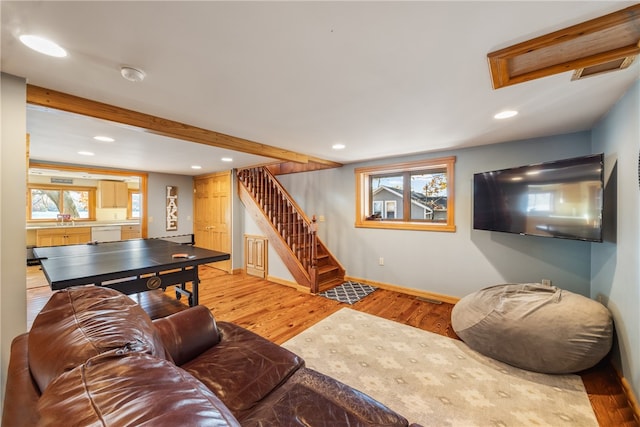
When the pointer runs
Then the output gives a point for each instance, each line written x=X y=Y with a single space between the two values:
x=417 y=195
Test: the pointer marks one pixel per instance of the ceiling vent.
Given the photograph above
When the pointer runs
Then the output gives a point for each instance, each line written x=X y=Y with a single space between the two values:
x=618 y=64
x=600 y=45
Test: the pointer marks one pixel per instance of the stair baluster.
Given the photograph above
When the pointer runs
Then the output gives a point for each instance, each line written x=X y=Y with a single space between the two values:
x=294 y=228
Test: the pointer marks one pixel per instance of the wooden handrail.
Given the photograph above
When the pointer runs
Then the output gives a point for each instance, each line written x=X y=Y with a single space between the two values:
x=286 y=217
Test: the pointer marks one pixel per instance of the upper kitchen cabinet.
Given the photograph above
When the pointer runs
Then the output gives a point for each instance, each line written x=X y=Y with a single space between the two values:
x=113 y=194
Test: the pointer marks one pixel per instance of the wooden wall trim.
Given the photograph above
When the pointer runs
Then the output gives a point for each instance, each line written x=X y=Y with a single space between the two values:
x=403 y=290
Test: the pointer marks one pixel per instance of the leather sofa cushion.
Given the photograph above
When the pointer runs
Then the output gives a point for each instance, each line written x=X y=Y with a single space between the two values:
x=310 y=398
x=243 y=368
x=188 y=333
x=134 y=389
x=22 y=392
x=81 y=322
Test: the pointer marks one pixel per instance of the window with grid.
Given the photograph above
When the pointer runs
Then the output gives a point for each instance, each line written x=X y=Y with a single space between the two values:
x=416 y=195
x=47 y=203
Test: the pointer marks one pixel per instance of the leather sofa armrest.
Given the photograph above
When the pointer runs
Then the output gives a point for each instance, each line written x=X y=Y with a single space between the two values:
x=22 y=393
x=188 y=333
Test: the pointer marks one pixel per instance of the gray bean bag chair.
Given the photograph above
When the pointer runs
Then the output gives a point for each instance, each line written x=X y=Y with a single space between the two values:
x=535 y=327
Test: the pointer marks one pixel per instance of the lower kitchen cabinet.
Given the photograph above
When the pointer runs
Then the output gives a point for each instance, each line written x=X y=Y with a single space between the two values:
x=63 y=236
x=130 y=232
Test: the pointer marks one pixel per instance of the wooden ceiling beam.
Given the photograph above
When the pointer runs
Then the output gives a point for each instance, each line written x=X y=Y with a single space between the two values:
x=610 y=37
x=314 y=164
x=61 y=101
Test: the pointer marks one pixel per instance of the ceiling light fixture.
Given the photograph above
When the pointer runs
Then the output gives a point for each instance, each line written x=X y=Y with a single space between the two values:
x=103 y=138
x=338 y=146
x=505 y=114
x=132 y=74
x=196 y=167
x=85 y=153
x=42 y=45
x=227 y=159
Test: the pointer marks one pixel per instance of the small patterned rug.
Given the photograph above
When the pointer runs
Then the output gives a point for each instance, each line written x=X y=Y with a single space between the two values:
x=438 y=381
x=349 y=292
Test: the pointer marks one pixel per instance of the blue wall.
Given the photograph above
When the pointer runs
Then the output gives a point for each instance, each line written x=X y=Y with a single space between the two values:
x=451 y=264
x=455 y=264
x=156 y=191
x=615 y=275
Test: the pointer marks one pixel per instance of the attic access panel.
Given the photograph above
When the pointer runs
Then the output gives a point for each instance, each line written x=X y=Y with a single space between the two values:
x=609 y=39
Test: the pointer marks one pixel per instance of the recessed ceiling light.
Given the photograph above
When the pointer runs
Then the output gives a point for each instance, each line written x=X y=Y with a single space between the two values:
x=338 y=146
x=85 y=153
x=227 y=159
x=103 y=138
x=505 y=114
x=132 y=74
x=196 y=167
x=42 y=45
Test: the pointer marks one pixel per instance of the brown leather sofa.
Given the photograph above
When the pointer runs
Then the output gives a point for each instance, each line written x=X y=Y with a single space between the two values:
x=94 y=357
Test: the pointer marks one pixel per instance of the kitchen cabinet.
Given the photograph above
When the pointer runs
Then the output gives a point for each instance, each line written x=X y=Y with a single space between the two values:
x=63 y=236
x=130 y=232
x=113 y=194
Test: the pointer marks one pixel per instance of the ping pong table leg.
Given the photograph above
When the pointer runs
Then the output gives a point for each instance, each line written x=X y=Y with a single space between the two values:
x=193 y=294
x=195 y=284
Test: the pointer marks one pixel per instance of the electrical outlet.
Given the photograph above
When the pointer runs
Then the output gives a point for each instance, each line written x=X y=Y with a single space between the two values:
x=381 y=261
x=546 y=282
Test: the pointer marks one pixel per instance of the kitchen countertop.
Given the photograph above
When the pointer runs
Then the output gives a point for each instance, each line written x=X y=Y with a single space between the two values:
x=40 y=226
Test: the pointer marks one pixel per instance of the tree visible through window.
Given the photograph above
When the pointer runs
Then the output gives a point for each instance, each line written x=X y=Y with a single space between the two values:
x=47 y=203
x=417 y=195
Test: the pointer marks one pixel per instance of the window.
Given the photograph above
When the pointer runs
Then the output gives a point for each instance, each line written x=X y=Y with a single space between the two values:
x=411 y=196
x=46 y=203
x=133 y=206
x=540 y=202
x=390 y=209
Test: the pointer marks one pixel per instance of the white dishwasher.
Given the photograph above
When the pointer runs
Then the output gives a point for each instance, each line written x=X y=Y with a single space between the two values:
x=107 y=233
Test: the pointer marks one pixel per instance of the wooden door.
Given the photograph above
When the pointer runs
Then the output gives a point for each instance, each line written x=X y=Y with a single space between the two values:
x=212 y=214
x=255 y=255
x=201 y=213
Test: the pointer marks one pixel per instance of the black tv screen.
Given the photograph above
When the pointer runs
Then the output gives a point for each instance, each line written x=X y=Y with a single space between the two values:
x=561 y=199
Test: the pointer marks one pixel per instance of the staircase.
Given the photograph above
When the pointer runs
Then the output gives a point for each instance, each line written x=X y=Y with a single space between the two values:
x=290 y=232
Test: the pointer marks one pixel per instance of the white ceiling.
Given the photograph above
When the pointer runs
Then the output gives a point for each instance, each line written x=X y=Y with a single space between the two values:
x=383 y=78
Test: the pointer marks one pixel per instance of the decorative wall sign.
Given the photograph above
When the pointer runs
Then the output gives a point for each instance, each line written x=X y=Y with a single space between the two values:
x=172 y=208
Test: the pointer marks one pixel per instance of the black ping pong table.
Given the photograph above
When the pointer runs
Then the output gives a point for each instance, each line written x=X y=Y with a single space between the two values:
x=129 y=266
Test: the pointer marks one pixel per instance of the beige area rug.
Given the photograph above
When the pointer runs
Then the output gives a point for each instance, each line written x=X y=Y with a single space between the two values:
x=435 y=380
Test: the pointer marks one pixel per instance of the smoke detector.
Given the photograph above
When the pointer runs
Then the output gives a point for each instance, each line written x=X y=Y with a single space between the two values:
x=132 y=74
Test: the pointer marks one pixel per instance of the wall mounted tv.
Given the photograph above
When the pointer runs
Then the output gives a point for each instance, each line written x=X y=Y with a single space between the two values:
x=561 y=199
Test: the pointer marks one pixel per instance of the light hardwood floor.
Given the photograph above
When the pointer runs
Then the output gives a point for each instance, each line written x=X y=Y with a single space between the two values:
x=278 y=313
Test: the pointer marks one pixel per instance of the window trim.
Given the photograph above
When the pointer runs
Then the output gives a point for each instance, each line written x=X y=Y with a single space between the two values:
x=143 y=182
x=363 y=194
x=92 y=200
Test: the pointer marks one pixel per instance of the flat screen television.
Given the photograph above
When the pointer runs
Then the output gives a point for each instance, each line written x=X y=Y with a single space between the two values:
x=562 y=199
